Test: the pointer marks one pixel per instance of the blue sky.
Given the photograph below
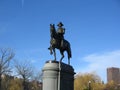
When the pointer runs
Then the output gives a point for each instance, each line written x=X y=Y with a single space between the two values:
x=92 y=28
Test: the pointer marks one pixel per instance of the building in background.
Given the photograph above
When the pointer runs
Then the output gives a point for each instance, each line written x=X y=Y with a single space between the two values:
x=113 y=74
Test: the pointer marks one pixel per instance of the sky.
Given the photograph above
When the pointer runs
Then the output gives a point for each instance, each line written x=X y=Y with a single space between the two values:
x=92 y=28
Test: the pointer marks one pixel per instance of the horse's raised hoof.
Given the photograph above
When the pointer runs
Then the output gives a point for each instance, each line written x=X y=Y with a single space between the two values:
x=51 y=52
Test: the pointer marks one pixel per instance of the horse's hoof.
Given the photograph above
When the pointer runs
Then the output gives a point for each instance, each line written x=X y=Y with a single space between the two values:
x=60 y=61
x=51 y=53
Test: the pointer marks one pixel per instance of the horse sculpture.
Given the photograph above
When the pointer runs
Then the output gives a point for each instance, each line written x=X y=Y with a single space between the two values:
x=55 y=44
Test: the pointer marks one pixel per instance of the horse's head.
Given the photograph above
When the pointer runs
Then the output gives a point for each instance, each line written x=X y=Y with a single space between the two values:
x=53 y=31
x=52 y=27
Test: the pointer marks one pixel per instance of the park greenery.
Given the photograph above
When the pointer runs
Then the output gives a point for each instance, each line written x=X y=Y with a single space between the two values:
x=91 y=81
x=26 y=79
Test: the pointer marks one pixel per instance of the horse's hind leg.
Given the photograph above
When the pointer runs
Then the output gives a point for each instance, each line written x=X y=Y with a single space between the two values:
x=68 y=61
x=54 y=54
x=62 y=56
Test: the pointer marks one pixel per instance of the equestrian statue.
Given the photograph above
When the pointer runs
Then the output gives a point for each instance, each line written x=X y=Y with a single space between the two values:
x=58 y=42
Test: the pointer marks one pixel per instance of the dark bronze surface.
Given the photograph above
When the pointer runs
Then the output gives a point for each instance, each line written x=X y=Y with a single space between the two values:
x=58 y=42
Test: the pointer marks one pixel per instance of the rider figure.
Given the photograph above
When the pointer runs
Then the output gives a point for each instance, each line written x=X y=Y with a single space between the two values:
x=61 y=32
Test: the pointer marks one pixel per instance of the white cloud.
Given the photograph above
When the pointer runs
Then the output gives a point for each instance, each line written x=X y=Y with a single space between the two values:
x=100 y=62
x=33 y=61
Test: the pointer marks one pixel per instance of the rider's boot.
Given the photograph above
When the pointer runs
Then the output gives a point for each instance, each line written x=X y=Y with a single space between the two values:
x=61 y=43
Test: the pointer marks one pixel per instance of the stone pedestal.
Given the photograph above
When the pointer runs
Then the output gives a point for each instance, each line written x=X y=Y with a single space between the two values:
x=58 y=76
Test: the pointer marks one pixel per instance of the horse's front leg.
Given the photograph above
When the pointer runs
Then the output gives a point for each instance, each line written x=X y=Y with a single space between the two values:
x=54 y=54
x=50 y=48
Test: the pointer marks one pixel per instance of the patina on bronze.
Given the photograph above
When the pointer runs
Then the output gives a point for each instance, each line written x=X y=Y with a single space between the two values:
x=58 y=42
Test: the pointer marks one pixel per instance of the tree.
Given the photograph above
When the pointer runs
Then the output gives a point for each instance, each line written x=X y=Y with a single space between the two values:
x=6 y=81
x=37 y=81
x=25 y=71
x=15 y=84
x=38 y=76
x=111 y=86
x=6 y=55
x=88 y=81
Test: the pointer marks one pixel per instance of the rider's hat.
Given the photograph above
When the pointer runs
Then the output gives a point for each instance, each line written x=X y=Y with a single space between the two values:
x=60 y=24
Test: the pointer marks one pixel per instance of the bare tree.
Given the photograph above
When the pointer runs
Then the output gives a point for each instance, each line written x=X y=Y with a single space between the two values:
x=6 y=55
x=25 y=71
x=37 y=80
x=38 y=76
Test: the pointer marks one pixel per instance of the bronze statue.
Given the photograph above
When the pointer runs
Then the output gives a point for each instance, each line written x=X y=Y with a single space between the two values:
x=58 y=41
x=60 y=33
